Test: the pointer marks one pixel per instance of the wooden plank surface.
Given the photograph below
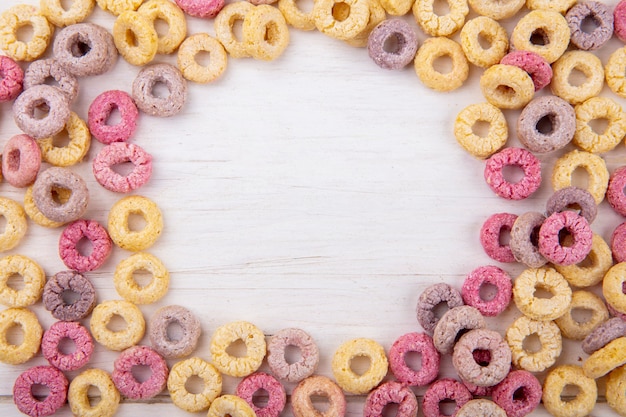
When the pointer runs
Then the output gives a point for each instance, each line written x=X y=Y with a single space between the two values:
x=315 y=191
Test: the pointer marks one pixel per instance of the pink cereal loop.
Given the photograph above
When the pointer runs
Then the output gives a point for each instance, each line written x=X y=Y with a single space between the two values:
x=535 y=65
x=518 y=394
x=488 y=275
x=444 y=389
x=391 y=392
x=96 y=234
x=490 y=233
x=615 y=192
x=618 y=243
x=276 y=393
x=48 y=376
x=21 y=160
x=11 y=79
x=201 y=8
x=125 y=381
x=619 y=21
x=73 y=331
x=100 y=111
x=549 y=241
x=118 y=153
x=422 y=344
x=521 y=158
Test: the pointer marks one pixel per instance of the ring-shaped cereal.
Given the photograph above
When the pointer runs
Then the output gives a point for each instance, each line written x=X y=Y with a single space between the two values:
x=483 y=27
x=180 y=374
x=615 y=388
x=29 y=324
x=81 y=339
x=615 y=194
x=201 y=8
x=453 y=323
x=496 y=9
x=98 y=237
x=318 y=385
x=117 y=7
x=21 y=160
x=85 y=49
x=132 y=387
x=43 y=95
x=68 y=282
x=518 y=394
x=481 y=407
x=549 y=25
x=224 y=27
x=433 y=49
x=41 y=70
x=605 y=359
x=560 y=377
x=573 y=329
x=430 y=298
x=298 y=18
x=30 y=272
x=594 y=165
x=60 y=211
x=422 y=344
x=561 y=6
x=618 y=243
x=518 y=157
x=36 y=215
x=347 y=378
x=130 y=290
x=155 y=105
x=391 y=392
x=191 y=69
x=482 y=374
x=481 y=146
x=11 y=79
x=74 y=151
x=577 y=62
x=596 y=108
x=276 y=350
x=612 y=287
x=490 y=234
x=488 y=275
x=578 y=199
x=550 y=340
x=388 y=31
x=550 y=235
x=48 y=376
x=602 y=18
x=230 y=406
x=120 y=230
x=265 y=32
x=537 y=67
x=440 y=25
x=259 y=382
x=100 y=112
x=523 y=240
x=56 y=14
x=135 y=38
x=16 y=224
x=615 y=72
x=171 y=14
x=78 y=394
x=117 y=339
x=351 y=19
x=118 y=153
x=507 y=86
x=556 y=133
x=441 y=390
x=537 y=308
x=592 y=269
x=227 y=334
x=16 y=17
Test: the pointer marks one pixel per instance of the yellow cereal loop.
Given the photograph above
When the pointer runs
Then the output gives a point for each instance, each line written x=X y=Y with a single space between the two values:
x=599 y=108
x=117 y=7
x=265 y=32
x=612 y=287
x=226 y=335
x=295 y=16
x=605 y=359
x=550 y=26
x=615 y=72
x=135 y=38
x=615 y=389
x=128 y=288
x=341 y=19
x=424 y=64
x=592 y=269
x=560 y=6
x=481 y=146
x=188 y=64
x=533 y=360
x=554 y=385
x=56 y=14
x=487 y=29
x=377 y=15
x=32 y=275
x=32 y=332
x=497 y=9
x=171 y=14
x=74 y=151
x=397 y=7
x=598 y=174
x=180 y=374
x=121 y=338
x=436 y=25
x=16 y=17
x=542 y=309
x=16 y=224
x=230 y=406
x=587 y=301
x=78 y=394
x=571 y=90
x=224 y=24
x=120 y=231
x=37 y=216
x=347 y=378
x=507 y=86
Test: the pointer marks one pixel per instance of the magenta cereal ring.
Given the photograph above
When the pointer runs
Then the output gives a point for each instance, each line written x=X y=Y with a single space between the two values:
x=602 y=18
x=574 y=197
x=430 y=298
x=482 y=371
x=125 y=381
x=549 y=240
x=391 y=392
x=406 y=41
x=535 y=65
x=518 y=394
x=277 y=398
x=488 y=275
x=420 y=343
x=523 y=242
x=619 y=20
x=21 y=159
x=518 y=157
x=490 y=233
x=618 y=243
x=100 y=111
x=69 y=282
x=38 y=72
x=67 y=330
x=48 y=376
x=98 y=237
x=442 y=390
x=11 y=79
x=25 y=105
x=118 y=153
x=296 y=371
x=201 y=8
x=615 y=191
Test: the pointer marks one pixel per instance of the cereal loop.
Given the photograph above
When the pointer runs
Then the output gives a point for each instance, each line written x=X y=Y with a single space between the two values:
x=534 y=360
x=422 y=344
x=592 y=269
x=565 y=71
x=16 y=224
x=100 y=111
x=259 y=382
x=48 y=376
x=406 y=44
x=518 y=157
x=180 y=374
x=318 y=385
x=68 y=282
x=25 y=105
x=128 y=288
x=128 y=384
x=595 y=166
x=85 y=49
x=11 y=79
x=98 y=239
x=56 y=14
x=485 y=145
x=433 y=49
x=135 y=38
x=550 y=26
x=81 y=339
x=265 y=32
x=547 y=279
x=227 y=334
x=602 y=19
x=440 y=25
x=523 y=242
x=347 y=378
x=118 y=340
x=615 y=72
x=477 y=29
x=497 y=9
x=578 y=231
x=189 y=50
x=120 y=230
x=507 y=86
x=615 y=388
x=488 y=275
x=59 y=210
x=17 y=17
x=475 y=371
x=71 y=153
x=224 y=27
x=341 y=22
x=32 y=275
x=201 y=8
x=546 y=124
x=299 y=19
x=78 y=392
x=36 y=215
x=27 y=321
x=560 y=6
x=171 y=14
x=441 y=390
x=537 y=67
x=574 y=329
x=518 y=394
x=117 y=7
x=605 y=359
x=453 y=323
x=118 y=153
x=230 y=406
x=556 y=381
x=148 y=101
x=490 y=234
x=430 y=298
x=296 y=371
x=597 y=108
x=391 y=392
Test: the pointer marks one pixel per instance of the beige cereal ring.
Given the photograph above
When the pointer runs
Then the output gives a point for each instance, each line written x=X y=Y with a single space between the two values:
x=550 y=339
x=615 y=388
x=595 y=166
x=57 y=15
x=117 y=7
x=16 y=224
x=429 y=52
x=117 y=340
x=560 y=6
x=295 y=16
x=612 y=287
x=587 y=64
x=440 y=25
x=226 y=335
x=556 y=381
x=397 y=7
x=478 y=145
x=582 y=300
x=170 y=13
x=341 y=19
x=486 y=28
x=74 y=151
x=31 y=329
x=550 y=25
x=36 y=215
x=135 y=38
x=191 y=69
x=19 y=16
x=31 y=273
x=542 y=309
x=130 y=290
x=180 y=374
x=615 y=72
x=347 y=378
x=78 y=394
x=265 y=32
x=592 y=270
x=604 y=360
x=230 y=405
x=497 y=9
x=224 y=25
x=599 y=108
x=120 y=230
x=507 y=86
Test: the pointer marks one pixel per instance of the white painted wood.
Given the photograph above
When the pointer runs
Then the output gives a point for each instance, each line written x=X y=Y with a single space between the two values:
x=316 y=191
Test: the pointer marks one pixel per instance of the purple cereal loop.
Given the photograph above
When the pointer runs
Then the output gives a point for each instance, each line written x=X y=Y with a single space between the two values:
x=523 y=242
x=488 y=275
x=59 y=177
x=297 y=371
x=618 y=243
x=518 y=157
x=490 y=233
x=39 y=71
x=615 y=192
x=11 y=79
x=422 y=344
x=85 y=49
x=444 y=389
x=69 y=281
x=391 y=392
x=549 y=240
x=143 y=86
x=125 y=381
x=452 y=323
x=570 y=196
x=619 y=20
x=48 y=376
x=118 y=153
x=561 y=117
x=602 y=17
x=603 y=334
x=26 y=103
x=100 y=242
x=190 y=329
x=402 y=54
x=481 y=374
x=201 y=8
x=535 y=65
x=21 y=159
x=100 y=111
x=430 y=298
x=518 y=394
x=73 y=331
x=277 y=398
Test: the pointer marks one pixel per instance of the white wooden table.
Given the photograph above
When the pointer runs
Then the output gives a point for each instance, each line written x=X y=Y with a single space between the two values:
x=316 y=191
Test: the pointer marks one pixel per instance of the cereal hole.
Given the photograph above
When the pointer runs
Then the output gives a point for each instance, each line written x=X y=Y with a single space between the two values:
x=459 y=334
x=580 y=178
x=574 y=207
x=341 y=11
x=237 y=349
x=589 y=24
x=481 y=128
x=590 y=261
x=505 y=91
x=41 y=110
x=542 y=292
x=320 y=403
x=413 y=360
x=115 y=117
x=565 y=238
x=16 y=282
x=360 y=364
x=581 y=315
x=293 y=354
x=260 y=398
x=272 y=33
x=624 y=287
x=447 y=407
x=577 y=78
x=545 y=125
x=487 y=291
x=203 y=58
x=25 y=33
x=484 y=41
x=534 y=236
x=142 y=277
x=237 y=29
x=532 y=343
x=123 y=168
x=67 y=346
x=443 y=64
x=67 y=4
x=61 y=139
x=160 y=90
x=141 y=373
x=570 y=392
x=390 y=410
x=482 y=357
x=599 y=125
x=161 y=26
x=80 y=49
x=441 y=7
x=194 y=385
x=84 y=246
x=3 y=224
x=15 y=335
x=440 y=309
x=305 y=6
x=174 y=331
x=520 y=394
x=505 y=236
x=39 y=391
x=136 y=222
x=539 y=37
x=13 y=160
x=513 y=173
x=94 y=396
x=131 y=39
x=69 y=297
x=51 y=81
x=60 y=195
x=117 y=323
x=393 y=44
